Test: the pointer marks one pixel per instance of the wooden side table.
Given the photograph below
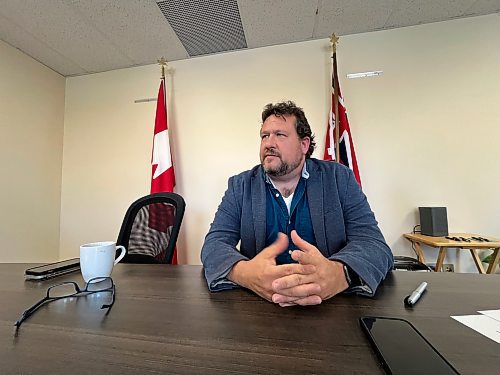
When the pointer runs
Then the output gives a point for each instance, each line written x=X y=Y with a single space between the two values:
x=443 y=244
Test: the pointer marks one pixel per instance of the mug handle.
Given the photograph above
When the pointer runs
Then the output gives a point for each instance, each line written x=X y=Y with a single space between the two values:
x=120 y=257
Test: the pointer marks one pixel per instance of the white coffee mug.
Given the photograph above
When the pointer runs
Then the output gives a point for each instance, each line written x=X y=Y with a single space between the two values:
x=97 y=259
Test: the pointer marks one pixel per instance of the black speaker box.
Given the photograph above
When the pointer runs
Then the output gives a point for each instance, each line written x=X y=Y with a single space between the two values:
x=433 y=221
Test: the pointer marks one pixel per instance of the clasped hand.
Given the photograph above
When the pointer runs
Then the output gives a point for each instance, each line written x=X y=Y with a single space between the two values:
x=309 y=282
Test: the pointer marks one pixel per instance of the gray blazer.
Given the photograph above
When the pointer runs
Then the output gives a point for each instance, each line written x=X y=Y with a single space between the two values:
x=343 y=223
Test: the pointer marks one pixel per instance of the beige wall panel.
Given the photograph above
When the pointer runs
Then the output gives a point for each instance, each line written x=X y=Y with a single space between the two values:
x=31 y=133
x=107 y=148
x=427 y=130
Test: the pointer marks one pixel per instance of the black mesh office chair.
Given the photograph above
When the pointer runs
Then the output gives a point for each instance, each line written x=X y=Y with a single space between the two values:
x=409 y=264
x=150 y=228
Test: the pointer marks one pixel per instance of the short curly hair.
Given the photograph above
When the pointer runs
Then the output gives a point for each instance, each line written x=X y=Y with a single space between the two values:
x=302 y=126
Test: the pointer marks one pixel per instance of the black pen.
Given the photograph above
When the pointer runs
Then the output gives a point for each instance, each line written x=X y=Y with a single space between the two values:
x=415 y=296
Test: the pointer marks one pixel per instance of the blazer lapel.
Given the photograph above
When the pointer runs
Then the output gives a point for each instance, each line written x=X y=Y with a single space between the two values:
x=259 y=209
x=316 y=209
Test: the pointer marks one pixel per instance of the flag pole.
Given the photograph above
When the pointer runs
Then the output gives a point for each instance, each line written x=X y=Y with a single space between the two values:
x=334 y=40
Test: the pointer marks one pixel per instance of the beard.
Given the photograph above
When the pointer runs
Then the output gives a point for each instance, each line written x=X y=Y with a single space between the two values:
x=283 y=168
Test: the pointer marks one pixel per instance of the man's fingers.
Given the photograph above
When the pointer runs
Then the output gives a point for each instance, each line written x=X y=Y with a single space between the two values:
x=296 y=286
x=303 y=257
x=307 y=253
x=281 y=299
x=302 y=244
x=285 y=301
x=295 y=268
x=276 y=248
x=291 y=281
x=310 y=300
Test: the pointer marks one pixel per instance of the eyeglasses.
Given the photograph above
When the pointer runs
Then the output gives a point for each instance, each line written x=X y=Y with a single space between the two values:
x=71 y=289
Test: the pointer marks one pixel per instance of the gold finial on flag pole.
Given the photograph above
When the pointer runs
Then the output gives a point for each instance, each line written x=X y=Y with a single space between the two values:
x=334 y=41
x=163 y=63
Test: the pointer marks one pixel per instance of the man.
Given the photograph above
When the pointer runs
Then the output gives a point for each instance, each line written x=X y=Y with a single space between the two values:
x=306 y=229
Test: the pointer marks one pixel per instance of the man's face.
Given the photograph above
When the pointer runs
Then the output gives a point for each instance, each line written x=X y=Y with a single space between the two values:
x=281 y=149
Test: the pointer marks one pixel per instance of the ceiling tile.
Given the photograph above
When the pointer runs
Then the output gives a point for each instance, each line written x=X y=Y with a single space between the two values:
x=31 y=45
x=277 y=22
x=352 y=16
x=481 y=7
x=136 y=28
x=409 y=12
x=64 y=31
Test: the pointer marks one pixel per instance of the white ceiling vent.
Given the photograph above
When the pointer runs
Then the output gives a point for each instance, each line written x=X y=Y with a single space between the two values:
x=205 y=26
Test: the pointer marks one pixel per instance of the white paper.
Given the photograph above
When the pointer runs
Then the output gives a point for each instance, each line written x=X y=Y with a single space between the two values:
x=483 y=324
x=495 y=314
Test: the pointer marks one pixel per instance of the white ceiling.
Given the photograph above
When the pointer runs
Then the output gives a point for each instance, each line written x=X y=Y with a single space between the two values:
x=75 y=37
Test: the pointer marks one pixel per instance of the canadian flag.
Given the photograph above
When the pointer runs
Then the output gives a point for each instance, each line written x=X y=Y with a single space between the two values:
x=163 y=169
x=163 y=177
x=347 y=155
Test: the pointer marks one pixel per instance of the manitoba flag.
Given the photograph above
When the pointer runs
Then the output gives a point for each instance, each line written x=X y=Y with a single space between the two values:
x=347 y=155
x=163 y=177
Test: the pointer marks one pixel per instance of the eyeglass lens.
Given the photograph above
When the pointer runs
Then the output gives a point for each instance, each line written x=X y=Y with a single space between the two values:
x=70 y=288
x=99 y=284
x=62 y=290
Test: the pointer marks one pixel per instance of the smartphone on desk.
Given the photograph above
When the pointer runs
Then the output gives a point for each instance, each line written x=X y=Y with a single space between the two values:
x=48 y=271
x=402 y=349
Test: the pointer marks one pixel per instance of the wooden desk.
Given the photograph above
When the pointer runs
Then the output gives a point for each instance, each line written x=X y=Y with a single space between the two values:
x=444 y=244
x=165 y=321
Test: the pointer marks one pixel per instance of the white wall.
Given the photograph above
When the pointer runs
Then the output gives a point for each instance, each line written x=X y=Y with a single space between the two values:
x=31 y=134
x=107 y=150
x=426 y=131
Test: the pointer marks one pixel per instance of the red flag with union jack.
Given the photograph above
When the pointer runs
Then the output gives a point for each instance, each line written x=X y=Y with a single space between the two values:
x=163 y=177
x=347 y=155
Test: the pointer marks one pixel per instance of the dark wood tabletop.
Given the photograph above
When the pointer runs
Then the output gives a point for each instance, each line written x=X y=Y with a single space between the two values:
x=165 y=321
